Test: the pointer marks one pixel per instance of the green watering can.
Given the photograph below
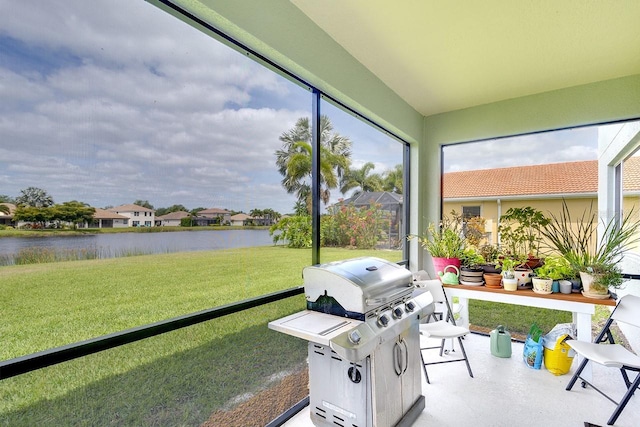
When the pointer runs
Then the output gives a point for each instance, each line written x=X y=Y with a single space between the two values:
x=449 y=278
x=500 y=342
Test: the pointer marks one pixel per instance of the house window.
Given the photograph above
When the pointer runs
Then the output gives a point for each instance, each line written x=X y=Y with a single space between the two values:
x=136 y=214
x=470 y=211
x=136 y=223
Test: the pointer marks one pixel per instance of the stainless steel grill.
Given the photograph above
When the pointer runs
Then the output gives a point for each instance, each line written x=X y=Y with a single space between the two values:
x=361 y=322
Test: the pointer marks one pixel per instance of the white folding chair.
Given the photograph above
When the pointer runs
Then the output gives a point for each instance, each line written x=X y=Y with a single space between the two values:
x=440 y=308
x=604 y=351
x=442 y=329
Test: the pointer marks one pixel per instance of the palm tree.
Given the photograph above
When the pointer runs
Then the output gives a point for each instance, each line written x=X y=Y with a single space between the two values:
x=294 y=159
x=393 y=180
x=271 y=216
x=361 y=179
x=5 y=209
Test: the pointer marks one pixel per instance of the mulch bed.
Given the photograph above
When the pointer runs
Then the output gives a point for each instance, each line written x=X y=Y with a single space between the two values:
x=265 y=406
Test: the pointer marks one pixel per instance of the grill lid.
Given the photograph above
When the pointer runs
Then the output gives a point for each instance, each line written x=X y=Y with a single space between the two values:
x=355 y=286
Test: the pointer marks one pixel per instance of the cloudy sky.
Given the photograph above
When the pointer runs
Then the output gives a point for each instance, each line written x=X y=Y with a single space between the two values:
x=107 y=102
x=549 y=147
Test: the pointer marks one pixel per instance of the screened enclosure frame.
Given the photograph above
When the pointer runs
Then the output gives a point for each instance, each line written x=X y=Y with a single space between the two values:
x=317 y=96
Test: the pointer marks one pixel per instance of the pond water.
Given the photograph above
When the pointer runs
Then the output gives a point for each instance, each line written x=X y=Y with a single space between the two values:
x=110 y=245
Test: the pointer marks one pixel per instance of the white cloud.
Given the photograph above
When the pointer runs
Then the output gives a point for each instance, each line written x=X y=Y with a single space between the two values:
x=111 y=101
x=540 y=148
x=120 y=101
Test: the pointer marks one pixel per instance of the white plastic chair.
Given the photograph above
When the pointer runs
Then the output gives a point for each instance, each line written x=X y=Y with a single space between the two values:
x=442 y=329
x=604 y=351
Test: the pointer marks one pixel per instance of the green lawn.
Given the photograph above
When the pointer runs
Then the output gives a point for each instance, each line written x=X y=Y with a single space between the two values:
x=516 y=319
x=178 y=378
x=53 y=304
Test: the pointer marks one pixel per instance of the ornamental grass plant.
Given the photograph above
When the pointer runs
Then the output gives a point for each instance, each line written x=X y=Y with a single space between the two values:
x=586 y=251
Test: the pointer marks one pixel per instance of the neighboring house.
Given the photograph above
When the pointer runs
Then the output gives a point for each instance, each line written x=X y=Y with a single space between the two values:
x=139 y=216
x=103 y=218
x=172 y=219
x=390 y=204
x=489 y=193
x=7 y=218
x=261 y=220
x=241 y=219
x=212 y=216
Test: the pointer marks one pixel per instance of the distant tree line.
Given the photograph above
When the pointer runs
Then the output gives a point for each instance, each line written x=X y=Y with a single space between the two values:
x=36 y=206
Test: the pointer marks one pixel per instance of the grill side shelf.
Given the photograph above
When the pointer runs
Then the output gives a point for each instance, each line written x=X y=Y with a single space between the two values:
x=314 y=326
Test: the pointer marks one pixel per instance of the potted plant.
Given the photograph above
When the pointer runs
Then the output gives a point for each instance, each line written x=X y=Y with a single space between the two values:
x=594 y=256
x=554 y=268
x=597 y=279
x=520 y=233
x=445 y=242
x=490 y=253
x=519 y=268
x=471 y=270
x=509 y=280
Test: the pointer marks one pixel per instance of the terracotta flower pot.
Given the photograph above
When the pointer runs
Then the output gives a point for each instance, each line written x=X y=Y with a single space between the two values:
x=493 y=280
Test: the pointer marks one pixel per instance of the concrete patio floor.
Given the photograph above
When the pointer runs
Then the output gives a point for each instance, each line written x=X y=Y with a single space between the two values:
x=505 y=392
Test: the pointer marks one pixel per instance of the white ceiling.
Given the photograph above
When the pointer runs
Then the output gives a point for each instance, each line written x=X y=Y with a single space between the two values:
x=444 y=55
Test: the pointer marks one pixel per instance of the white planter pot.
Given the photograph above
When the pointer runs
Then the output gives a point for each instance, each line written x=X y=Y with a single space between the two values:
x=523 y=277
x=542 y=286
x=510 y=284
x=565 y=286
x=587 y=290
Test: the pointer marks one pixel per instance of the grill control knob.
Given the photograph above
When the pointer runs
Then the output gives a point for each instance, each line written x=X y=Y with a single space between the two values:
x=410 y=306
x=355 y=337
x=383 y=320
x=397 y=312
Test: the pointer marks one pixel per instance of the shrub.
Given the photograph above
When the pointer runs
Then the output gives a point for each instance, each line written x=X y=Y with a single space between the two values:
x=294 y=230
x=349 y=226
x=352 y=226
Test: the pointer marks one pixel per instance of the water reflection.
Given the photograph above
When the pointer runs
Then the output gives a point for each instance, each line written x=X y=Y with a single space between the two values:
x=111 y=245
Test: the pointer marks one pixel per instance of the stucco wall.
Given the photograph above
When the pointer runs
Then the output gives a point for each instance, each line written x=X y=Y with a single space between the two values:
x=594 y=103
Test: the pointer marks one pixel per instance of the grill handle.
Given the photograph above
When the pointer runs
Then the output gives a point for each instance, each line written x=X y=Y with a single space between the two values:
x=400 y=357
x=385 y=298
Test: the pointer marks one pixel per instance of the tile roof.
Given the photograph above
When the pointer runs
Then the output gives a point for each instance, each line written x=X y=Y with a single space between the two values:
x=366 y=198
x=240 y=217
x=130 y=208
x=107 y=214
x=631 y=174
x=214 y=211
x=548 y=179
x=173 y=215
